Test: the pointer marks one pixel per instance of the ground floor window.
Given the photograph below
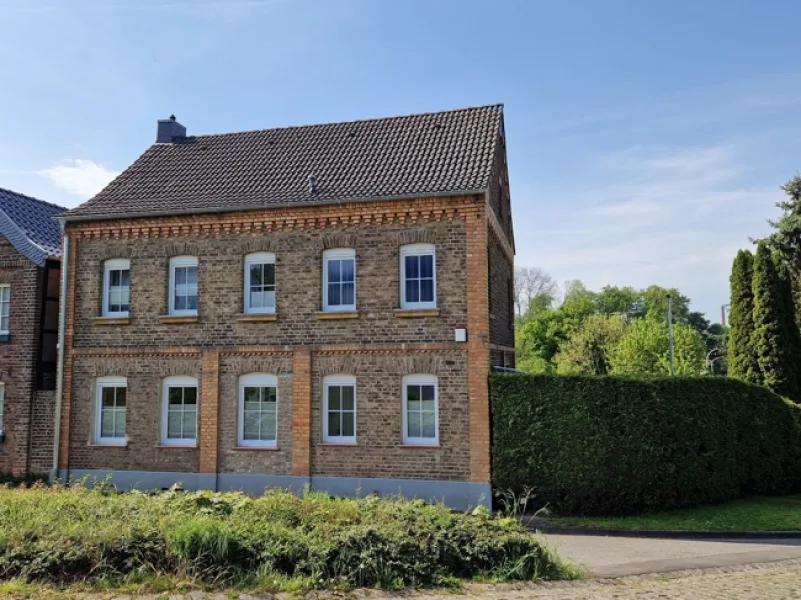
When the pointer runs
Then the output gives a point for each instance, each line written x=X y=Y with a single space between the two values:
x=258 y=410
x=339 y=409
x=420 y=410
x=110 y=411
x=179 y=418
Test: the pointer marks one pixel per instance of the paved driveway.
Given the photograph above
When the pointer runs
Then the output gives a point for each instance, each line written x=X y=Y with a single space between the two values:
x=620 y=556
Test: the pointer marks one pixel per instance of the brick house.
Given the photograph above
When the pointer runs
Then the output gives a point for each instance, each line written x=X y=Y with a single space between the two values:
x=30 y=254
x=314 y=305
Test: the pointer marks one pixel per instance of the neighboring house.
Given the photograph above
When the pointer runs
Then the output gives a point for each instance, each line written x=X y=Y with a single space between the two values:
x=306 y=305
x=30 y=251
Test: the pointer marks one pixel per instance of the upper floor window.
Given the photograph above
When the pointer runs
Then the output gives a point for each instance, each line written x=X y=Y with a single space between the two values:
x=339 y=279
x=420 y=410
x=418 y=276
x=339 y=409
x=110 y=411
x=116 y=287
x=179 y=412
x=5 y=308
x=183 y=285
x=2 y=405
x=260 y=283
x=258 y=410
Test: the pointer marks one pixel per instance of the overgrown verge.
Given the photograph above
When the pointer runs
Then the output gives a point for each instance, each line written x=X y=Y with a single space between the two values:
x=617 y=446
x=275 y=541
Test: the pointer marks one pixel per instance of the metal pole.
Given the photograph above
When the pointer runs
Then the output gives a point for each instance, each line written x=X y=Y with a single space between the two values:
x=670 y=335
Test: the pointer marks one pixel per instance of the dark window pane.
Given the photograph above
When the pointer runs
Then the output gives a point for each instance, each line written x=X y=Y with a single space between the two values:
x=122 y=396
x=180 y=275
x=175 y=396
x=190 y=395
x=333 y=424
x=269 y=274
x=334 y=298
x=191 y=274
x=347 y=294
x=426 y=290
x=191 y=302
x=333 y=270
x=125 y=278
x=333 y=398
x=180 y=303
x=270 y=395
x=412 y=392
x=347 y=397
x=107 y=397
x=427 y=392
x=412 y=290
x=348 y=270
x=426 y=266
x=411 y=267
x=114 y=278
x=348 y=424
x=255 y=275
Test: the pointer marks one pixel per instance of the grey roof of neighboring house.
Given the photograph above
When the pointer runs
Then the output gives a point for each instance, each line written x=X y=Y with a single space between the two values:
x=29 y=225
x=436 y=153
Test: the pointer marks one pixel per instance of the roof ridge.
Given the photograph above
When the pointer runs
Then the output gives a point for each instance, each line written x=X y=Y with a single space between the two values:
x=27 y=197
x=370 y=120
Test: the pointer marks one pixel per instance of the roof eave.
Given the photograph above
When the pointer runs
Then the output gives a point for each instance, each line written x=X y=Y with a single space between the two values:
x=67 y=218
x=20 y=240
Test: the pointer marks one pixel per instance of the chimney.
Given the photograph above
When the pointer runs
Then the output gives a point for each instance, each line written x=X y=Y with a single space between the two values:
x=169 y=130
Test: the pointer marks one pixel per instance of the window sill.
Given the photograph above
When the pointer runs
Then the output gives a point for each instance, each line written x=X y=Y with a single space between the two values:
x=410 y=313
x=255 y=448
x=339 y=444
x=177 y=447
x=107 y=444
x=178 y=319
x=256 y=317
x=111 y=321
x=420 y=446
x=325 y=315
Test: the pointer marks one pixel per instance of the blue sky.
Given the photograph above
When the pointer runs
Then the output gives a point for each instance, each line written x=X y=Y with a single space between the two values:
x=647 y=140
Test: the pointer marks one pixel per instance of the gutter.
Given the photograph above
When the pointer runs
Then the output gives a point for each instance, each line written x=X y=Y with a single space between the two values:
x=62 y=317
x=66 y=217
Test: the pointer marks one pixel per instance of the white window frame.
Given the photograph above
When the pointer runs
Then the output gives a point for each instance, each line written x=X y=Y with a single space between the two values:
x=102 y=383
x=417 y=250
x=256 y=380
x=420 y=379
x=8 y=304
x=338 y=254
x=175 y=262
x=180 y=382
x=336 y=381
x=259 y=258
x=2 y=406
x=114 y=264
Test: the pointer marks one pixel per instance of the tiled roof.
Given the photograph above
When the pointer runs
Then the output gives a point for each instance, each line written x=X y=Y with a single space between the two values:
x=427 y=154
x=29 y=225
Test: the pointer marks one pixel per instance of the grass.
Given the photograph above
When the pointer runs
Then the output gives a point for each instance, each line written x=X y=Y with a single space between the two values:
x=760 y=513
x=59 y=542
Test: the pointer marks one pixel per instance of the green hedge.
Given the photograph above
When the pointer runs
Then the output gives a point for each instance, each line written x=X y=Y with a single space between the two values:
x=616 y=446
x=271 y=543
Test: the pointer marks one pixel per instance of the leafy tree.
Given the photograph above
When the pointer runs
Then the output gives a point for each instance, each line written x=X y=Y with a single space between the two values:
x=771 y=339
x=645 y=350
x=538 y=339
x=617 y=300
x=742 y=357
x=587 y=351
x=655 y=305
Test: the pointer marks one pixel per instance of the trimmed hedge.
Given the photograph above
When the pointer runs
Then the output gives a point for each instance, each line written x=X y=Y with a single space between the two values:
x=59 y=535
x=617 y=446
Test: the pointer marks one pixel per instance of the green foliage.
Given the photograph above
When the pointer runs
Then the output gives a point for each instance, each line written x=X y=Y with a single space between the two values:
x=644 y=350
x=771 y=339
x=618 y=300
x=61 y=535
x=587 y=351
x=617 y=446
x=792 y=332
x=742 y=357
x=786 y=238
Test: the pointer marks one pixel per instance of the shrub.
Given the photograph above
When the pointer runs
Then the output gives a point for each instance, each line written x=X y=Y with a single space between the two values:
x=616 y=446
x=60 y=535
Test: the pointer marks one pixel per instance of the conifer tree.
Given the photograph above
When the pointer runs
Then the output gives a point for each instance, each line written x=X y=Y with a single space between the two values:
x=742 y=358
x=770 y=338
x=785 y=281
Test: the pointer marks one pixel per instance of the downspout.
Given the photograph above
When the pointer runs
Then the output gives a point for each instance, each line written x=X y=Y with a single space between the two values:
x=62 y=317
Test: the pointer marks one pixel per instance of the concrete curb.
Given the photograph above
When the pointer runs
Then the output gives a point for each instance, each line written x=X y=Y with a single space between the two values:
x=541 y=525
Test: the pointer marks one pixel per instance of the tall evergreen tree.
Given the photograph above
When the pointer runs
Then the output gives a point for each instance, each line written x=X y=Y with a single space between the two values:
x=742 y=358
x=785 y=280
x=770 y=338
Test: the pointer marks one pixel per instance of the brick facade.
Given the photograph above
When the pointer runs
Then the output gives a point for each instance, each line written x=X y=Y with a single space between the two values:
x=379 y=347
x=28 y=419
